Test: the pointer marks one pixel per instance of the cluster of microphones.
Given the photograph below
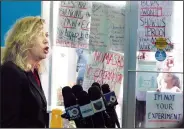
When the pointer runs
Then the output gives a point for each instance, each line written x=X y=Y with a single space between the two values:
x=95 y=109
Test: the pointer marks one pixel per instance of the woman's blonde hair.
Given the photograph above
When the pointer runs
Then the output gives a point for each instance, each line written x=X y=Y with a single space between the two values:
x=19 y=40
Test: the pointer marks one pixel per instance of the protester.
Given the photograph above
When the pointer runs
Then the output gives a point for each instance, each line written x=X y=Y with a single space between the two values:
x=171 y=83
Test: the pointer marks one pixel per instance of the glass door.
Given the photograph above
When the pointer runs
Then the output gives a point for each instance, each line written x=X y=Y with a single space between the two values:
x=159 y=64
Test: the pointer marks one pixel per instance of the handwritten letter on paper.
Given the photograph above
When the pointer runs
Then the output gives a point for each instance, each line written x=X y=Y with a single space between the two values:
x=107 y=27
x=104 y=68
x=74 y=24
x=154 y=20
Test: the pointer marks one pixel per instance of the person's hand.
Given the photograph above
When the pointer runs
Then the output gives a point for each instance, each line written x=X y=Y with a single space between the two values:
x=158 y=89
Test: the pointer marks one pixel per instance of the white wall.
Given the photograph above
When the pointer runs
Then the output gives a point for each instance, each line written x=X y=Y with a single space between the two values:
x=63 y=59
x=45 y=76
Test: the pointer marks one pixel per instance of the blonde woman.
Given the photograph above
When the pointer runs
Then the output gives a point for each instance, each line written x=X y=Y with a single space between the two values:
x=23 y=103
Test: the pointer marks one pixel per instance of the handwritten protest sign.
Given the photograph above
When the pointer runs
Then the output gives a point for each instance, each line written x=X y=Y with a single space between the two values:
x=146 y=81
x=116 y=17
x=104 y=68
x=154 y=21
x=163 y=109
x=74 y=24
x=105 y=32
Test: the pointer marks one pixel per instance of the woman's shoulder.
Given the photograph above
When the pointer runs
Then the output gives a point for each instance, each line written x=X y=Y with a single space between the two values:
x=9 y=65
x=11 y=68
x=175 y=88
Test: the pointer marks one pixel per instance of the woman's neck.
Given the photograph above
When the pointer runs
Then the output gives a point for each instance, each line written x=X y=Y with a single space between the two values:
x=33 y=64
x=169 y=86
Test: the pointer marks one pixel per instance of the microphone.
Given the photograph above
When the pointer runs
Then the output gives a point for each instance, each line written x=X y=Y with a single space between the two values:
x=66 y=90
x=86 y=108
x=110 y=96
x=71 y=107
x=111 y=103
x=76 y=89
x=98 y=107
x=96 y=84
x=106 y=116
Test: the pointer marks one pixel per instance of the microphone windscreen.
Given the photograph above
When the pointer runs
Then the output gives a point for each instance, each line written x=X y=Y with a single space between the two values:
x=98 y=106
x=86 y=107
x=83 y=98
x=96 y=84
x=105 y=88
x=94 y=93
x=76 y=89
x=71 y=107
x=66 y=90
x=69 y=100
x=96 y=99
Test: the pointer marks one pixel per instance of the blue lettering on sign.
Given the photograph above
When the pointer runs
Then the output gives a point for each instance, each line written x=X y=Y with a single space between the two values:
x=164 y=116
x=164 y=97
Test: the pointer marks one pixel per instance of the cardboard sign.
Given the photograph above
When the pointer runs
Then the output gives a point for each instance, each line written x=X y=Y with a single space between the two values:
x=163 y=109
x=104 y=68
x=74 y=24
x=154 y=21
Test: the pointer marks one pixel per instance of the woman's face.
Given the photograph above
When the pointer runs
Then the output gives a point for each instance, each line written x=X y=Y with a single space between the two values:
x=40 y=47
x=168 y=77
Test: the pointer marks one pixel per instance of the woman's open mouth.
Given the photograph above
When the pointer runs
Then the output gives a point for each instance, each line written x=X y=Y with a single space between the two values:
x=46 y=50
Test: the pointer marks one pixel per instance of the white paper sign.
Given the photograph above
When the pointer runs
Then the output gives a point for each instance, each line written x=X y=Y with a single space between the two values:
x=154 y=20
x=163 y=109
x=146 y=81
x=73 y=28
x=105 y=32
x=104 y=68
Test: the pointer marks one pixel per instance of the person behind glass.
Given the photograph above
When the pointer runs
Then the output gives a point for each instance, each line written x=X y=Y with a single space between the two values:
x=81 y=65
x=171 y=83
x=168 y=66
x=23 y=102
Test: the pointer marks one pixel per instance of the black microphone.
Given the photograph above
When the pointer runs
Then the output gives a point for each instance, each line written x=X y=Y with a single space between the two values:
x=66 y=90
x=71 y=107
x=111 y=103
x=86 y=109
x=98 y=106
x=76 y=89
x=96 y=84
x=108 y=121
x=109 y=95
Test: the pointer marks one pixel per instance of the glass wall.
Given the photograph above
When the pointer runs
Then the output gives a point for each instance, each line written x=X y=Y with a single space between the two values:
x=159 y=69
x=147 y=37
x=70 y=65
